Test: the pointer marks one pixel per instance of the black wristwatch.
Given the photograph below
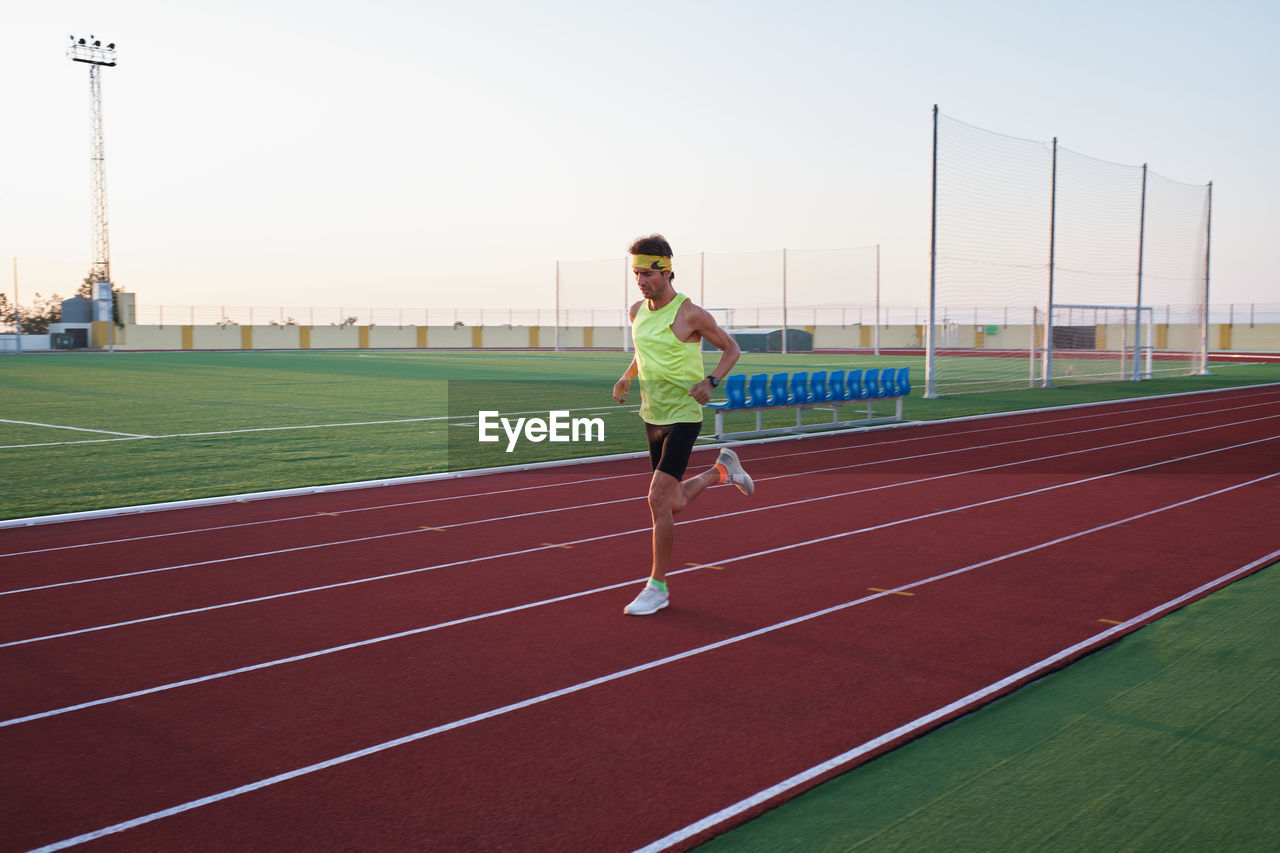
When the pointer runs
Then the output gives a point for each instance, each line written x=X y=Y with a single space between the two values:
x=714 y=382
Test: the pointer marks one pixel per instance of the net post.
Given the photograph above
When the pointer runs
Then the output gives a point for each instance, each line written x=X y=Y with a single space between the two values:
x=929 y=343
x=626 y=309
x=784 y=301
x=1150 y=347
x=877 y=298
x=557 y=318
x=702 y=279
x=1047 y=379
x=1137 y=320
x=1032 y=348
x=1204 y=301
x=1124 y=345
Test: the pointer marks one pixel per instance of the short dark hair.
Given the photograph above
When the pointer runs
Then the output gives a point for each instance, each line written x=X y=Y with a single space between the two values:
x=652 y=244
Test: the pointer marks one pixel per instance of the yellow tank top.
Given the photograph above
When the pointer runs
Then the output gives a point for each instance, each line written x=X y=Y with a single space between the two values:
x=668 y=366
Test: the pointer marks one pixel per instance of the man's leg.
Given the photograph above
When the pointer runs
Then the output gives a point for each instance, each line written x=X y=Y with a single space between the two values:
x=669 y=449
x=667 y=497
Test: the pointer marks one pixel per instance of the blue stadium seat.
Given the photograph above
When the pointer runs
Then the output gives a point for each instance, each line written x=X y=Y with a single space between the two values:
x=758 y=390
x=888 y=383
x=835 y=384
x=853 y=385
x=800 y=387
x=871 y=383
x=818 y=392
x=904 y=381
x=735 y=389
x=778 y=395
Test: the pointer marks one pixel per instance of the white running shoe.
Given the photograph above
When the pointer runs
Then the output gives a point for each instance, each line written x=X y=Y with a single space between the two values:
x=737 y=475
x=650 y=600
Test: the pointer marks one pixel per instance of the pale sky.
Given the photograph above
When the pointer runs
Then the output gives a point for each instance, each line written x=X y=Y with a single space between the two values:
x=440 y=154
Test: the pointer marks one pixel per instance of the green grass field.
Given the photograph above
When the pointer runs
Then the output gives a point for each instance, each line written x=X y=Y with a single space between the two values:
x=86 y=431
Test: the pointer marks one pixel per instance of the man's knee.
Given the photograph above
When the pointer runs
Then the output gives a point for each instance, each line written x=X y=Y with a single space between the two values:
x=665 y=494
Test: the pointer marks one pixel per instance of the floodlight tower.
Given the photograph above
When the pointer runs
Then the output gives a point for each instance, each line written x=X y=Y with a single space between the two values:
x=92 y=52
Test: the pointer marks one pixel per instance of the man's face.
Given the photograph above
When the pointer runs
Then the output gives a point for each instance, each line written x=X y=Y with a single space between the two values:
x=651 y=282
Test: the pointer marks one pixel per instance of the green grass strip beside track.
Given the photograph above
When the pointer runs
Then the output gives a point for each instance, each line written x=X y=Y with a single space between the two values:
x=1167 y=740
x=240 y=422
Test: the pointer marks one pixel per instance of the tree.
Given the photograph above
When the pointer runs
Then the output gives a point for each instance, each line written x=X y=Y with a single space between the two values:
x=35 y=319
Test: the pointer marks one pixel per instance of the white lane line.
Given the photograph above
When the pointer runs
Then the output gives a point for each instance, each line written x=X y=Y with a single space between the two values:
x=758 y=459
x=77 y=429
x=798 y=454
x=644 y=530
x=134 y=436
x=1055 y=413
x=570 y=596
x=765 y=508
x=312 y=515
x=662 y=844
x=927 y=721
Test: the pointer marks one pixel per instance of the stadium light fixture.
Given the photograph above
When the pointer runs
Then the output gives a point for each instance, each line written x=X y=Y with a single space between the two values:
x=91 y=51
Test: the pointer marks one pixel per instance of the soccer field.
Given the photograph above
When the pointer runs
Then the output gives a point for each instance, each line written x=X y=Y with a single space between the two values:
x=86 y=431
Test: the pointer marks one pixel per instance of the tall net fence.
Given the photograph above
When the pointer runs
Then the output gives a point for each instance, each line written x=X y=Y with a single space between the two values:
x=1031 y=240
x=765 y=289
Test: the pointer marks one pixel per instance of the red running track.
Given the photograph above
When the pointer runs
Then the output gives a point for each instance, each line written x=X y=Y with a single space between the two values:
x=445 y=665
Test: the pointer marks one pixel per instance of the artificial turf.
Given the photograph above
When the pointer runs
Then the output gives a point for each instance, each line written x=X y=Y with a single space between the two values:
x=182 y=425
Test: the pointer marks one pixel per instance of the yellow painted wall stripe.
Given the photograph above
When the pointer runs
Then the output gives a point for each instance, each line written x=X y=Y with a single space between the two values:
x=363 y=332
x=304 y=337
x=188 y=337
x=477 y=336
x=533 y=336
x=246 y=337
x=422 y=337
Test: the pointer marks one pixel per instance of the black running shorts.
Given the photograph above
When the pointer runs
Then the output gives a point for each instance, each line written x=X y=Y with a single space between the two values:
x=670 y=446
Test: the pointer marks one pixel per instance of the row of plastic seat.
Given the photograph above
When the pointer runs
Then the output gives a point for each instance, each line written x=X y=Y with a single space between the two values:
x=804 y=388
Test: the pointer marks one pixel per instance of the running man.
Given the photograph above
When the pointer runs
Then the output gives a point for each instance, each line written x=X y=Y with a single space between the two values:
x=668 y=330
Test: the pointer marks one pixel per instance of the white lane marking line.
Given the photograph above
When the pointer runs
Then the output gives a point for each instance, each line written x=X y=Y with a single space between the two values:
x=614 y=676
x=938 y=714
x=356 y=581
x=901 y=589
x=77 y=429
x=135 y=436
x=1114 y=407
x=755 y=509
x=797 y=453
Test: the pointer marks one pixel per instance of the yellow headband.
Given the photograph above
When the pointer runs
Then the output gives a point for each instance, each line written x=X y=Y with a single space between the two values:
x=650 y=262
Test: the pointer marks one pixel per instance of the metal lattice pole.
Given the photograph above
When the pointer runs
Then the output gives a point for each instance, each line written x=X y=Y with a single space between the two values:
x=98 y=166
x=92 y=52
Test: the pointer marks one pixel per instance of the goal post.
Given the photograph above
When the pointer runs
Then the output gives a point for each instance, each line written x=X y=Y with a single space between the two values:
x=1093 y=343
